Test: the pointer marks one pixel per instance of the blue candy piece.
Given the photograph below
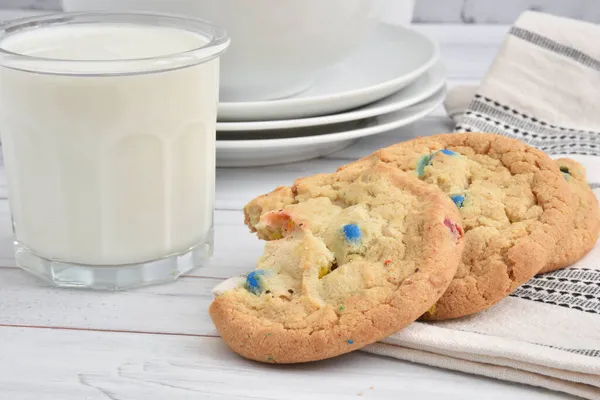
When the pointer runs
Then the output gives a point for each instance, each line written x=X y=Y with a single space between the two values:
x=350 y=341
x=253 y=281
x=422 y=163
x=352 y=232
x=426 y=160
x=458 y=200
x=448 y=152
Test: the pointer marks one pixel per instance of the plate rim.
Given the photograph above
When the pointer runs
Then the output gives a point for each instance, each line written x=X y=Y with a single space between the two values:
x=437 y=97
x=439 y=68
x=243 y=107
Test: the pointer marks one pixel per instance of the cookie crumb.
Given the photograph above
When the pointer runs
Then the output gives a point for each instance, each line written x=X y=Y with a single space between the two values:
x=371 y=387
x=360 y=393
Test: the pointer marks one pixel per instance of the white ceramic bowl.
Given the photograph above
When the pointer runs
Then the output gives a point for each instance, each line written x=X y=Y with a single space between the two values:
x=278 y=47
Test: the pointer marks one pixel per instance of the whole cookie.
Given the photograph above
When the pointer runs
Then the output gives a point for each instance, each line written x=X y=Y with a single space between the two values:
x=586 y=218
x=515 y=205
x=357 y=257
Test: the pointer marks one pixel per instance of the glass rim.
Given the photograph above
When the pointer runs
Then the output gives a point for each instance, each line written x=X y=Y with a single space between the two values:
x=217 y=42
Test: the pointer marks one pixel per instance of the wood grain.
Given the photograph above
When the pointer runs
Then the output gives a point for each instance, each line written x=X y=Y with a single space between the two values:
x=74 y=365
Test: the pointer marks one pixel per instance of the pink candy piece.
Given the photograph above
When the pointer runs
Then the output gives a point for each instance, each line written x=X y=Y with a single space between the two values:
x=456 y=229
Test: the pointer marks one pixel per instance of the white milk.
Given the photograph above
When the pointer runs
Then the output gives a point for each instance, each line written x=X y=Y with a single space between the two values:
x=109 y=170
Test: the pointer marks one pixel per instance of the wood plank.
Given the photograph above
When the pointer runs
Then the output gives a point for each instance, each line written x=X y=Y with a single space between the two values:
x=50 y=364
x=177 y=308
x=236 y=249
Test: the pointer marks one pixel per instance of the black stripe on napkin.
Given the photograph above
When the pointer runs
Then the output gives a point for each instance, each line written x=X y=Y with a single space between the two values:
x=487 y=115
x=518 y=113
x=555 y=47
x=582 y=352
x=567 y=146
x=470 y=124
x=521 y=121
x=574 y=288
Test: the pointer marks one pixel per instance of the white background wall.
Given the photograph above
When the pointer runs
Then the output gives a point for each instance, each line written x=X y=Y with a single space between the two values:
x=501 y=11
x=441 y=11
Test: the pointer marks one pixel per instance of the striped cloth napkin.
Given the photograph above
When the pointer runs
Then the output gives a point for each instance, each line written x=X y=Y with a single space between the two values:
x=544 y=89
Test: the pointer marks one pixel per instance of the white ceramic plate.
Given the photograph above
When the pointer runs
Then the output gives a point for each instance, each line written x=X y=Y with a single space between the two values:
x=389 y=60
x=419 y=90
x=252 y=153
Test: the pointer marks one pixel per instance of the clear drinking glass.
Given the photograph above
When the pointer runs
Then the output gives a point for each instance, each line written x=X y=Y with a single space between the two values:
x=107 y=122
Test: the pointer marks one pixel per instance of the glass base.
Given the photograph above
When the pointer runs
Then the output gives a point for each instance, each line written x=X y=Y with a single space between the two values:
x=113 y=277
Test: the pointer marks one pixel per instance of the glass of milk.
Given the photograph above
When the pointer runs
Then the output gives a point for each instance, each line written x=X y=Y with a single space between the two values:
x=107 y=122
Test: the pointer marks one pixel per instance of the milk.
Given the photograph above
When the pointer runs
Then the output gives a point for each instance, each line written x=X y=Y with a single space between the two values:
x=108 y=170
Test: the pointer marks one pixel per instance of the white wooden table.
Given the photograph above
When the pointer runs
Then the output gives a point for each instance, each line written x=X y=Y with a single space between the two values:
x=159 y=342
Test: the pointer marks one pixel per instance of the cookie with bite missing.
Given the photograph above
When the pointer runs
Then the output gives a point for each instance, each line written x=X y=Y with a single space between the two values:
x=359 y=255
x=515 y=204
x=586 y=217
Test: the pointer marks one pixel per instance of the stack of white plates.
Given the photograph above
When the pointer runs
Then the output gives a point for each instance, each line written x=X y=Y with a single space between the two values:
x=394 y=79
